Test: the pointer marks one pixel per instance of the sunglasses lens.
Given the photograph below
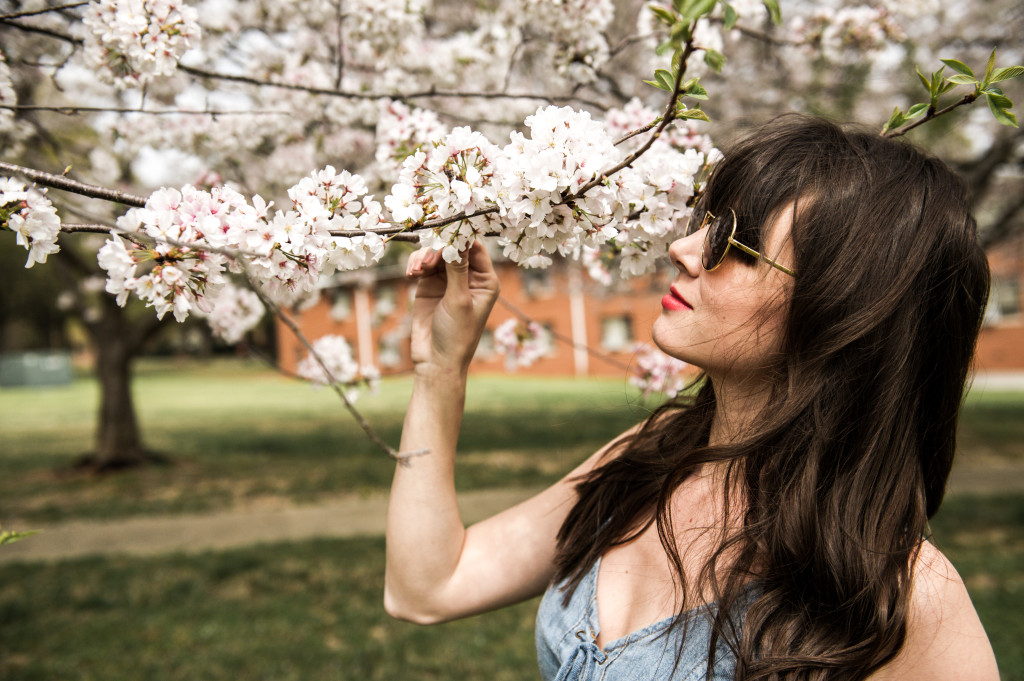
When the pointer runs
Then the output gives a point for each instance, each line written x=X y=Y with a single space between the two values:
x=716 y=241
x=696 y=221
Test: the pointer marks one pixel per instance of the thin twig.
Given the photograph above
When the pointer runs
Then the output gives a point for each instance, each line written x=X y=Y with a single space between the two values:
x=931 y=115
x=48 y=32
x=667 y=117
x=340 y=71
x=45 y=10
x=638 y=131
x=423 y=94
x=66 y=184
x=72 y=110
x=402 y=459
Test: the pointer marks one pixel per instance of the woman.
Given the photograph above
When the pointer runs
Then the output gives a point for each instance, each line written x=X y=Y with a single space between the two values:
x=831 y=288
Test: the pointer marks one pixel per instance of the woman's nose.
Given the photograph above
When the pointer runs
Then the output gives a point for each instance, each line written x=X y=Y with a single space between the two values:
x=685 y=253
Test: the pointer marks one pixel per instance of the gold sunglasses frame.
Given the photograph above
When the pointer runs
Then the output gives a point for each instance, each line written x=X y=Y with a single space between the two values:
x=732 y=242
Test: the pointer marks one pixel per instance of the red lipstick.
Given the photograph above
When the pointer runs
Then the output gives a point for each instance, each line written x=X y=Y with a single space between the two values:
x=674 y=301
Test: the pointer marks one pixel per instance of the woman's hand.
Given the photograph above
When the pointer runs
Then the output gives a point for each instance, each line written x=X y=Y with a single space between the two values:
x=451 y=307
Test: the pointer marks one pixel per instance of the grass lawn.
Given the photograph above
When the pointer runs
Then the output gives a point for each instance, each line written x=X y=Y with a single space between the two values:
x=241 y=434
x=238 y=433
x=312 y=610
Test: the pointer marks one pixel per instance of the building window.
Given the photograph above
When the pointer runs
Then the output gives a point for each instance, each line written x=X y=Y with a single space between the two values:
x=537 y=282
x=547 y=344
x=485 y=349
x=385 y=300
x=389 y=350
x=341 y=307
x=616 y=333
x=1003 y=299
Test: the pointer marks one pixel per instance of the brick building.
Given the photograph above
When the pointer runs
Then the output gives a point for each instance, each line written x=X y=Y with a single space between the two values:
x=1001 y=347
x=370 y=309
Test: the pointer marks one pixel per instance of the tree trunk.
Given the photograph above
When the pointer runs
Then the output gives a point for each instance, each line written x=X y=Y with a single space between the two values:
x=118 y=440
x=116 y=338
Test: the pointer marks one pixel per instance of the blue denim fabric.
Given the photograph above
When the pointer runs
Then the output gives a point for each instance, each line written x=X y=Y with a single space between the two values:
x=566 y=648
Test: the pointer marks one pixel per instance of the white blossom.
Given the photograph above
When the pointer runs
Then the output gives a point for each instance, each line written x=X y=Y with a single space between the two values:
x=29 y=214
x=336 y=354
x=522 y=343
x=234 y=311
x=131 y=41
x=655 y=372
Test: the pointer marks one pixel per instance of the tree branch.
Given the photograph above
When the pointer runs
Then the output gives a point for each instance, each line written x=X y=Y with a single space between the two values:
x=73 y=110
x=667 y=117
x=1003 y=226
x=50 y=33
x=401 y=458
x=931 y=115
x=978 y=172
x=423 y=94
x=45 y=10
x=63 y=183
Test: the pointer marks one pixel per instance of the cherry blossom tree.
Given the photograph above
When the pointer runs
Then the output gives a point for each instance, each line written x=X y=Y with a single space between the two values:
x=266 y=145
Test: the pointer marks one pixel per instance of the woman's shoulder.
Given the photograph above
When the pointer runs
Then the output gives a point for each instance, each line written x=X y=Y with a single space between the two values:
x=945 y=638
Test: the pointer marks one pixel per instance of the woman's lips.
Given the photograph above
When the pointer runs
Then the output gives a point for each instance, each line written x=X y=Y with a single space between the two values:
x=674 y=301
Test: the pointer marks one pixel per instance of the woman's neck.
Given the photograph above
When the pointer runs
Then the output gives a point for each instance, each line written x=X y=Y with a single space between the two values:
x=737 y=406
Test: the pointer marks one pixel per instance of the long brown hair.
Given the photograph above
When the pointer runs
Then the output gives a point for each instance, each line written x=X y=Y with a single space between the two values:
x=850 y=458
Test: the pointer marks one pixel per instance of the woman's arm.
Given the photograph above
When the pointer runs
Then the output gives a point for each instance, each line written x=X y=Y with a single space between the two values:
x=945 y=639
x=436 y=569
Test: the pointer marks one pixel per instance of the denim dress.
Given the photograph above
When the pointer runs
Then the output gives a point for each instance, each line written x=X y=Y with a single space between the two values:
x=567 y=651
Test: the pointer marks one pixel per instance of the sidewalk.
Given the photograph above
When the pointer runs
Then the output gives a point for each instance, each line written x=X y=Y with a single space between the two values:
x=997 y=381
x=348 y=517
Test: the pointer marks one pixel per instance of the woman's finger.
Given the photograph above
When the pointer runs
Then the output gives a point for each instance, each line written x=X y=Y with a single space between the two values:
x=421 y=262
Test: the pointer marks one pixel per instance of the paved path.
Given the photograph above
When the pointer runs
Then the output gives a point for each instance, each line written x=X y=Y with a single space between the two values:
x=347 y=517
x=350 y=516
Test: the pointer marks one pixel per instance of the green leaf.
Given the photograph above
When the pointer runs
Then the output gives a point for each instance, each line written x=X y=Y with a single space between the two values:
x=661 y=49
x=989 y=67
x=946 y=87
x=958 y=66
x=896 y=120
x=656 y=84
x=8 y=537
x=694 y=114
x=680 y=32
x=714 y=59
x=664 y=16
x=1002 y=101
x=699 y=8
x=730 y=16
x=773 y=11
x=1007 y=73
x=665 y=78
x=697 y=91
x=916 y=110
x=924 y=81
x=1002 y=115
x=677 y=61
x=679 y=5
x=961 y=79
x=936 y=84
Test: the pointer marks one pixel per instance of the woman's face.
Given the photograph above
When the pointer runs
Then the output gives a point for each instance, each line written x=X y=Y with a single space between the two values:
x=727 y=322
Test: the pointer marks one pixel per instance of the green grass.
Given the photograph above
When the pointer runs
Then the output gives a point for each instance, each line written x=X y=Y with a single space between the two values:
x=236 y=432
x=312 y=610
x=302 y=611
x=992 y=425
x=984 y=538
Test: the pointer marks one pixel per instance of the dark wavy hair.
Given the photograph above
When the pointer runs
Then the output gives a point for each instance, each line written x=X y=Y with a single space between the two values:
x=849 y=459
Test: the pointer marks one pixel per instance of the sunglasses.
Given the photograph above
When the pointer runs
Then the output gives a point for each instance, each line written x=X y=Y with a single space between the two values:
x=720 y=236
